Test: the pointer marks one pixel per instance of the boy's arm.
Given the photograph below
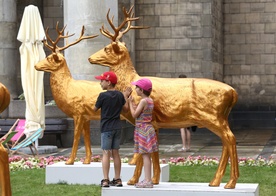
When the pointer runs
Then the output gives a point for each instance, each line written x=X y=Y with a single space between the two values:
x=95 y=109
x=98 y=103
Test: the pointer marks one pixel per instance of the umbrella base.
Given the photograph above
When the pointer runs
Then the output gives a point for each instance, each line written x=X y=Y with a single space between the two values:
x=41 y=150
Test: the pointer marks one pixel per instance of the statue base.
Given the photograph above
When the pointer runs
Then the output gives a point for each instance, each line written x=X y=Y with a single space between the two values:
x=92 y=174
x=187 y=189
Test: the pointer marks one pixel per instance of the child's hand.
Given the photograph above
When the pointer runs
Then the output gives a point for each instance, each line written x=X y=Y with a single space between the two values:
x=127 y=92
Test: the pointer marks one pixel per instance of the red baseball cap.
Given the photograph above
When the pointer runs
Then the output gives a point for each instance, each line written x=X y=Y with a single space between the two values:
x=109 y=76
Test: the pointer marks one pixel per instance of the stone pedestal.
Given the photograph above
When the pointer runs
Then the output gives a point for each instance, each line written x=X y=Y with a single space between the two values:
x=187 y=189
x=91 y=174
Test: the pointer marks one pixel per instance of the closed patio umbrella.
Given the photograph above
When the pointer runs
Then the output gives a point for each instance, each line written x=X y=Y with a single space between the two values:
x=31 y=33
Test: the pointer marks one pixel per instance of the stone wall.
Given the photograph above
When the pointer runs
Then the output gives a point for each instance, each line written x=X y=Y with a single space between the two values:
x=52 y=13
x=8 y=49
x=232 y=41
x=249 y=52
x=182 y=38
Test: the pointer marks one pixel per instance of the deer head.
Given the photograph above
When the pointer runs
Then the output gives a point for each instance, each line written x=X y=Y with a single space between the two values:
x=115 y=52
x=55 y=60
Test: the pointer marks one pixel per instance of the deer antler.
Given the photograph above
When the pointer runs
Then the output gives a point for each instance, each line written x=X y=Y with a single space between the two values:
x=55 y=47
x=129 y=17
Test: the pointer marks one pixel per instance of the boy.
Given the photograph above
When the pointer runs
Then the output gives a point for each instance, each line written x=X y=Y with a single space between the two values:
x=111 y=103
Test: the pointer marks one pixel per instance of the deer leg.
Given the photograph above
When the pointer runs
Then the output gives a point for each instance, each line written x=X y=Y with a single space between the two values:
x=229 y=150
x=77 y=132
x=87 y=143
x=134 y=159
x=5 y=184
x=221 y=167
x=156 y=167
x=234 y=171
x=137 y=171
x=155 y=162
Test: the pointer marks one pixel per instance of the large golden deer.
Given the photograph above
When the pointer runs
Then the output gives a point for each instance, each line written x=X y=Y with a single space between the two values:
x=178 y=102
x=5 y=185
x=75 y=98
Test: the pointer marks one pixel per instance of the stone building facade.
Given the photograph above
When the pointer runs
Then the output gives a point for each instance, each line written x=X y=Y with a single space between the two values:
x=232 y=41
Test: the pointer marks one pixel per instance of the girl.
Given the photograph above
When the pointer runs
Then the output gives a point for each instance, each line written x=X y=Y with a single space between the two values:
x=145 y=141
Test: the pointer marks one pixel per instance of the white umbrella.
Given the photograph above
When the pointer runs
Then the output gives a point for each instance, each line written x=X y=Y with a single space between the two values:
x=31 y=33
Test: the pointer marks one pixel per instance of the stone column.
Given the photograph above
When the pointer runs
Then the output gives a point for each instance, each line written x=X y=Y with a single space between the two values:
x=91 y=14
x=8 y=51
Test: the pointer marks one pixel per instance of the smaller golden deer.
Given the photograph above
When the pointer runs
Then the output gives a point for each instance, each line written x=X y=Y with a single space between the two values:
x=178 y=102
x=4 y=97
x=5 y=185
x=75 y=98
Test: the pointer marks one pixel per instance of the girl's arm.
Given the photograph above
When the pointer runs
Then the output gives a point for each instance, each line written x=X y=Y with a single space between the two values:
x=135 y=112
x=126 y=94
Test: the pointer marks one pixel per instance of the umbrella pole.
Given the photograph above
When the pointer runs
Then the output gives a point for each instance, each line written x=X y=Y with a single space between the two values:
x=36 y=144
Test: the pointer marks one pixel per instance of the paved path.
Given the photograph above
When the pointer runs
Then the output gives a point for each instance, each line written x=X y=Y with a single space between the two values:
x=251 y=143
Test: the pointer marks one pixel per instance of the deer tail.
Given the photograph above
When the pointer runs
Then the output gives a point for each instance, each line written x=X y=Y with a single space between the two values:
x=235 y=97
x=233 y=102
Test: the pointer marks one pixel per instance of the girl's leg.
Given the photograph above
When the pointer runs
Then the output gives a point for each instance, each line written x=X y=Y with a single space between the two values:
x=146 y=183
x=188 y=136
x=147 y=166
x=182 y=132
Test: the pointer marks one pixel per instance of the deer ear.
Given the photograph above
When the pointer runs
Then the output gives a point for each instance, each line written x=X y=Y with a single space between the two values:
x=115 y=47
x=55 y=56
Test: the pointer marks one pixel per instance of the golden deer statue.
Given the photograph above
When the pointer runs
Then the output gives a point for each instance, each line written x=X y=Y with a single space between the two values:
x=4 y=98
x=178 y=102
x=5 y=184
x=75 y=98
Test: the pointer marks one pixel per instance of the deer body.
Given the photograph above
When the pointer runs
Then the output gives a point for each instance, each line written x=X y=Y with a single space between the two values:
x=179 y=102
x=75 y=98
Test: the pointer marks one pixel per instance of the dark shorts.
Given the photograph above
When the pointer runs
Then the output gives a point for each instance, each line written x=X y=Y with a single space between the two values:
x=111 y=139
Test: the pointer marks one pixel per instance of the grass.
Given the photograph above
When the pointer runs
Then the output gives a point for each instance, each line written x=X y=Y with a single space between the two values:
x=32 y=182
x=264 y=176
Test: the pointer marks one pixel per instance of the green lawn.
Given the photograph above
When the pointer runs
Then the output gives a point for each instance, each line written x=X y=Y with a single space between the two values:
x=32 y=182
x=264 y=176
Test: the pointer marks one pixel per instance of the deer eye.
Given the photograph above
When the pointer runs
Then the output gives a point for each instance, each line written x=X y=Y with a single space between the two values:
x=107 y=50
x=49 y=59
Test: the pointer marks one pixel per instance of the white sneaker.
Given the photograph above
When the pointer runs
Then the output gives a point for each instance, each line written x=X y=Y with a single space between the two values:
x=182 y=150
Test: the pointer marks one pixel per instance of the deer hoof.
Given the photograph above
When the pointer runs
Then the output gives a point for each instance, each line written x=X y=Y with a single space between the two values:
x=132 y=162
x=132 y=181
x=155 y=180
x=214 y=182
x=231 y=184
x=86 y=161
x=69 y=162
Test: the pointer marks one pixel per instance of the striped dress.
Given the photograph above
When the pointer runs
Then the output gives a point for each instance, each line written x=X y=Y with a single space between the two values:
x=145 y=140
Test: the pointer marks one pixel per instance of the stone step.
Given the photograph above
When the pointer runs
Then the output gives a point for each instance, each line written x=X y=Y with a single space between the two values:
x=187 y=189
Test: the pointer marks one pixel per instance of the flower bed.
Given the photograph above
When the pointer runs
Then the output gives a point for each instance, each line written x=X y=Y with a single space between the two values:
x=21 y=163
x=210 y=161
